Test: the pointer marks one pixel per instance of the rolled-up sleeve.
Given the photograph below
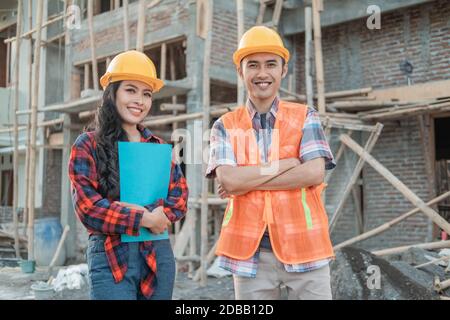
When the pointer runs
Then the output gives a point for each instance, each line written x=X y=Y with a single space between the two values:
x=314 y=143
x=221 y=151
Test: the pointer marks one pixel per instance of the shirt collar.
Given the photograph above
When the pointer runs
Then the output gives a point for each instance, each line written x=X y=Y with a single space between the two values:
x=254 y=113
x=145 y=133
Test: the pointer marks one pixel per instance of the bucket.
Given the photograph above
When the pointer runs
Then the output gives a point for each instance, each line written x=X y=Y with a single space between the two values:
x=27 y=266
x=43 y=291
x=47 y=233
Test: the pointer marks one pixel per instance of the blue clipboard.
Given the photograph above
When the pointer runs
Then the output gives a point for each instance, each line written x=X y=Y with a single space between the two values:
x=144 y=170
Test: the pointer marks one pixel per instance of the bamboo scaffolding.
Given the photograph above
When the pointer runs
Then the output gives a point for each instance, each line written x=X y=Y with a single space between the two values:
x=92 y=44
x=39 y=125
x=426 y=246
x=429 y=163
x=172 y=107
x=380 y=229
x=299 y=97
x=412 y=197
x=28 y=151
x=126 y=30
x=262 y=9
x=52 y=19
x=163 y=61
x=348 y=93
x=440 y=286
x=356 y=172
x=407 y=111
x=141 y=26
x=317 y=6
x=16 y=131
x=358 y=105
x=434 y=261
x=277 y=13
x=206 y=119
x=240 y=32
x=6 y=234
x=34 y=106
x=209 y=258
x=308 y=56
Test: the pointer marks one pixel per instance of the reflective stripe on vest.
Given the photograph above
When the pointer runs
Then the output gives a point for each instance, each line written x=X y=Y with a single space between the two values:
x=296 y=219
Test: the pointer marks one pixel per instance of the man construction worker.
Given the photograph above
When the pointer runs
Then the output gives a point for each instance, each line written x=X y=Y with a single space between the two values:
x=269 y=158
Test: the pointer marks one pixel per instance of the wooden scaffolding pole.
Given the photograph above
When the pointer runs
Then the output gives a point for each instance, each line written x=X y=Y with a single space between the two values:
x=426 y=246
x=34 y=106
x=317 y=6
x=240 y=32
x=308 y=56
x=28 y=150
x=389 y=224
x=400 y=186
x=51 y=20
x=126 y=30
x=92 y=40
x=140 y=33
x=206 y=118
x=16 y=131
x=356 y=172
x=162 y=72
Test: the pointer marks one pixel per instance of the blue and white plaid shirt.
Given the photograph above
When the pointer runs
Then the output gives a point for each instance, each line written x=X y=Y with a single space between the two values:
x=313 y=145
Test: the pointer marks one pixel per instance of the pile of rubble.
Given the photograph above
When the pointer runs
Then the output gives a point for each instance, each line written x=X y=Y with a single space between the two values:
x=415 y=274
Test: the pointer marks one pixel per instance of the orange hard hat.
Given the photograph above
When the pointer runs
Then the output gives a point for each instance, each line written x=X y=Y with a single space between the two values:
x=257 y=40
x=132 y=65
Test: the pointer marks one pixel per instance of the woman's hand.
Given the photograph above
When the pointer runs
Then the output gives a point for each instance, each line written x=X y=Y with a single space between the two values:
x=130 y=205
x=156 y=220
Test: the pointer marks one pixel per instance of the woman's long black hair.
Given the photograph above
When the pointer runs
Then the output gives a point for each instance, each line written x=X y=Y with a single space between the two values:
x=108 y=131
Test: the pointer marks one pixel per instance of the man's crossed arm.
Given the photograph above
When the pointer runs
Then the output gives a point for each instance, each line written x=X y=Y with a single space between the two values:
x=291 y=174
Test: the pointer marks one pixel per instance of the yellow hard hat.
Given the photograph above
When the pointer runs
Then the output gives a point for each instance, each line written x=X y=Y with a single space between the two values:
x=257 y=40
x=132 y=65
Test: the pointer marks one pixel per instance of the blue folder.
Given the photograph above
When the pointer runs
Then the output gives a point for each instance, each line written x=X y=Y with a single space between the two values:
x=144 y=170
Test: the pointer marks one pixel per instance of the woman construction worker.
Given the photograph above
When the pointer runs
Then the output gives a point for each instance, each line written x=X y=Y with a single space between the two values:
x=124 y=270
x=270 y=157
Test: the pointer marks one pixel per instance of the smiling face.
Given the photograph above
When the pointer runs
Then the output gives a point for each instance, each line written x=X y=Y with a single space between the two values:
x=262 y=74
x=133 y=101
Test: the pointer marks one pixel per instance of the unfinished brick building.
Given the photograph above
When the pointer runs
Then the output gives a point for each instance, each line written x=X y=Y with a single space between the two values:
x=403 y=68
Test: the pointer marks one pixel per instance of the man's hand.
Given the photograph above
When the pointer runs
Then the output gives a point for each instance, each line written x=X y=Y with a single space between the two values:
x=156 y=220
x=222 y=193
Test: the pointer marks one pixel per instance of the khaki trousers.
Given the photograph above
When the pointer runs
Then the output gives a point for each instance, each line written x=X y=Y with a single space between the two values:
x=310 y=285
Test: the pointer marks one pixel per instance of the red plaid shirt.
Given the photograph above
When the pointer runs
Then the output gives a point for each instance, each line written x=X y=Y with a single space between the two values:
x=105 y=216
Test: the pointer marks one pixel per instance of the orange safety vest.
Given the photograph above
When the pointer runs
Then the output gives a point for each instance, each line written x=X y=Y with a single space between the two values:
x=296 y=219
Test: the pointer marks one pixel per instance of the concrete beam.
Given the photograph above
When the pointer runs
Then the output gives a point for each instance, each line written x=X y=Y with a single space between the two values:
x=336 y=12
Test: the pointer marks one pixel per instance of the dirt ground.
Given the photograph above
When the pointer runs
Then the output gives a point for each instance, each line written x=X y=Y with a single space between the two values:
x=15 y=285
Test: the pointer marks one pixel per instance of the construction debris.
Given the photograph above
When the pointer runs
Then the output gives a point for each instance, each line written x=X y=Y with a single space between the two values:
x=359 y=275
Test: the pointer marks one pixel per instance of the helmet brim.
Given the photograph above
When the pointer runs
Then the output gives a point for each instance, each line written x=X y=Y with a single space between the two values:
x=242 y=53
x=155 y=84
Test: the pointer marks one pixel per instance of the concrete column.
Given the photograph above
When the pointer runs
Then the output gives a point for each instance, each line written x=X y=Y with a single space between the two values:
x=68 y=217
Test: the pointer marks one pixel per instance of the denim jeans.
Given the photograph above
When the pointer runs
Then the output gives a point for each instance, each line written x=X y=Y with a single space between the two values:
x=101 y=281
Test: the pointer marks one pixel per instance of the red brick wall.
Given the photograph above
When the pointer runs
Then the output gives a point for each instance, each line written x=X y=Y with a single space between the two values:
x=51 y=202
x=224 y=40
x=399 y=149
x=355 y=56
